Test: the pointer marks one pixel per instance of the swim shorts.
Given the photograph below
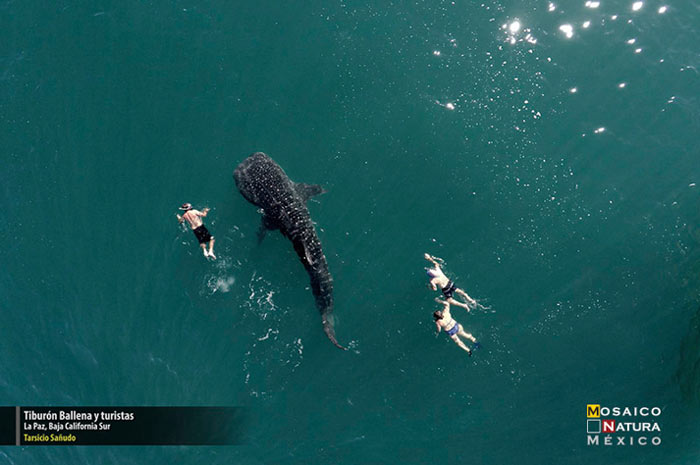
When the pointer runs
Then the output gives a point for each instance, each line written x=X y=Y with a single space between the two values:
x=449 y=290
x=202 y=234
x=454 y=330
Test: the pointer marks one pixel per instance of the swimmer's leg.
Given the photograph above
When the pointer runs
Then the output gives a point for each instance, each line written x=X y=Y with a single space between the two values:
x=204 y=250
x=459 y=304
x=465 y=334
x=473 y=303
x=466 y=296
x=459 y=342
x=211 y=248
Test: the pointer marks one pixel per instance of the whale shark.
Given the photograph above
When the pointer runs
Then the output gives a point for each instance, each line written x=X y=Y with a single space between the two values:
x=282 y=203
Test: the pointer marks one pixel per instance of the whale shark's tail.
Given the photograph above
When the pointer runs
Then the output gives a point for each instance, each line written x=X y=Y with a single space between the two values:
x=330 y=332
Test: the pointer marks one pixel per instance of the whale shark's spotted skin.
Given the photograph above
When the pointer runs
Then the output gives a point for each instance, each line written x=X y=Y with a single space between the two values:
x=283 y=202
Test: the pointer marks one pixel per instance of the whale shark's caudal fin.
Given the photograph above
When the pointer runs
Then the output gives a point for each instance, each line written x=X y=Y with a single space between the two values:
x=330 y=332
x=306 y=191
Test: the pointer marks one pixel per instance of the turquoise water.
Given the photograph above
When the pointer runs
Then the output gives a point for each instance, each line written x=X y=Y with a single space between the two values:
x=436 y=127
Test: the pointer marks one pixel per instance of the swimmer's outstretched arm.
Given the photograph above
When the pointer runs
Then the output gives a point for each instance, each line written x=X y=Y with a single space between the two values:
x=180 y=219
x=445 y=304
x=204 y=212
x=433 y=284
x=431 y=259
x=438 y=327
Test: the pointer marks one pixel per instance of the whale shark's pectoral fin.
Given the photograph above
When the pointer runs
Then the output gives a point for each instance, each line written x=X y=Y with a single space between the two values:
x=262 y=231
x=306 y=191
x=265 y=225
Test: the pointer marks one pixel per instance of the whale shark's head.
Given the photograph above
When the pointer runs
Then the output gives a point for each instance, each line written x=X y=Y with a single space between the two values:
x=251 y=173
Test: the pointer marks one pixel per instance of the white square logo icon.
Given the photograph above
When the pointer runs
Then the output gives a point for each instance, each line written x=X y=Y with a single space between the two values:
x=593 y=426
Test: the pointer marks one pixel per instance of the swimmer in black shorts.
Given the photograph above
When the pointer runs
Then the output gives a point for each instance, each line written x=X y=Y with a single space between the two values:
x=448 y=288
x=193 y=217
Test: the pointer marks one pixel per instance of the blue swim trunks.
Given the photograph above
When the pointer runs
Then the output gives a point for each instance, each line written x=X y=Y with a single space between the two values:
x=454 y=330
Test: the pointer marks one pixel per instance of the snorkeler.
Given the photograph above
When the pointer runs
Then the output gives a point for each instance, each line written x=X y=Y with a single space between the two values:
x=449 y=288
x=444 y=321
x=193 y=217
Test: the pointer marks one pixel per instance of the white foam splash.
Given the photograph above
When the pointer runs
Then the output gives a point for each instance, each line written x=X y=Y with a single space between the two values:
x=636 y=6
x=224 y=284
x=568 y=30
x=448 y=105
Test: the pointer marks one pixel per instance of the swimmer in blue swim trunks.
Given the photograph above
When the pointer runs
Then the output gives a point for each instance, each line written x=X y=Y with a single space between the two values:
x=444 y=321
x=194 y=218
x=449 y=288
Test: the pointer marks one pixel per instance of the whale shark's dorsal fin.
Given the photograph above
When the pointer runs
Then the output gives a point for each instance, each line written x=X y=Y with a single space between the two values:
x=306 y=191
